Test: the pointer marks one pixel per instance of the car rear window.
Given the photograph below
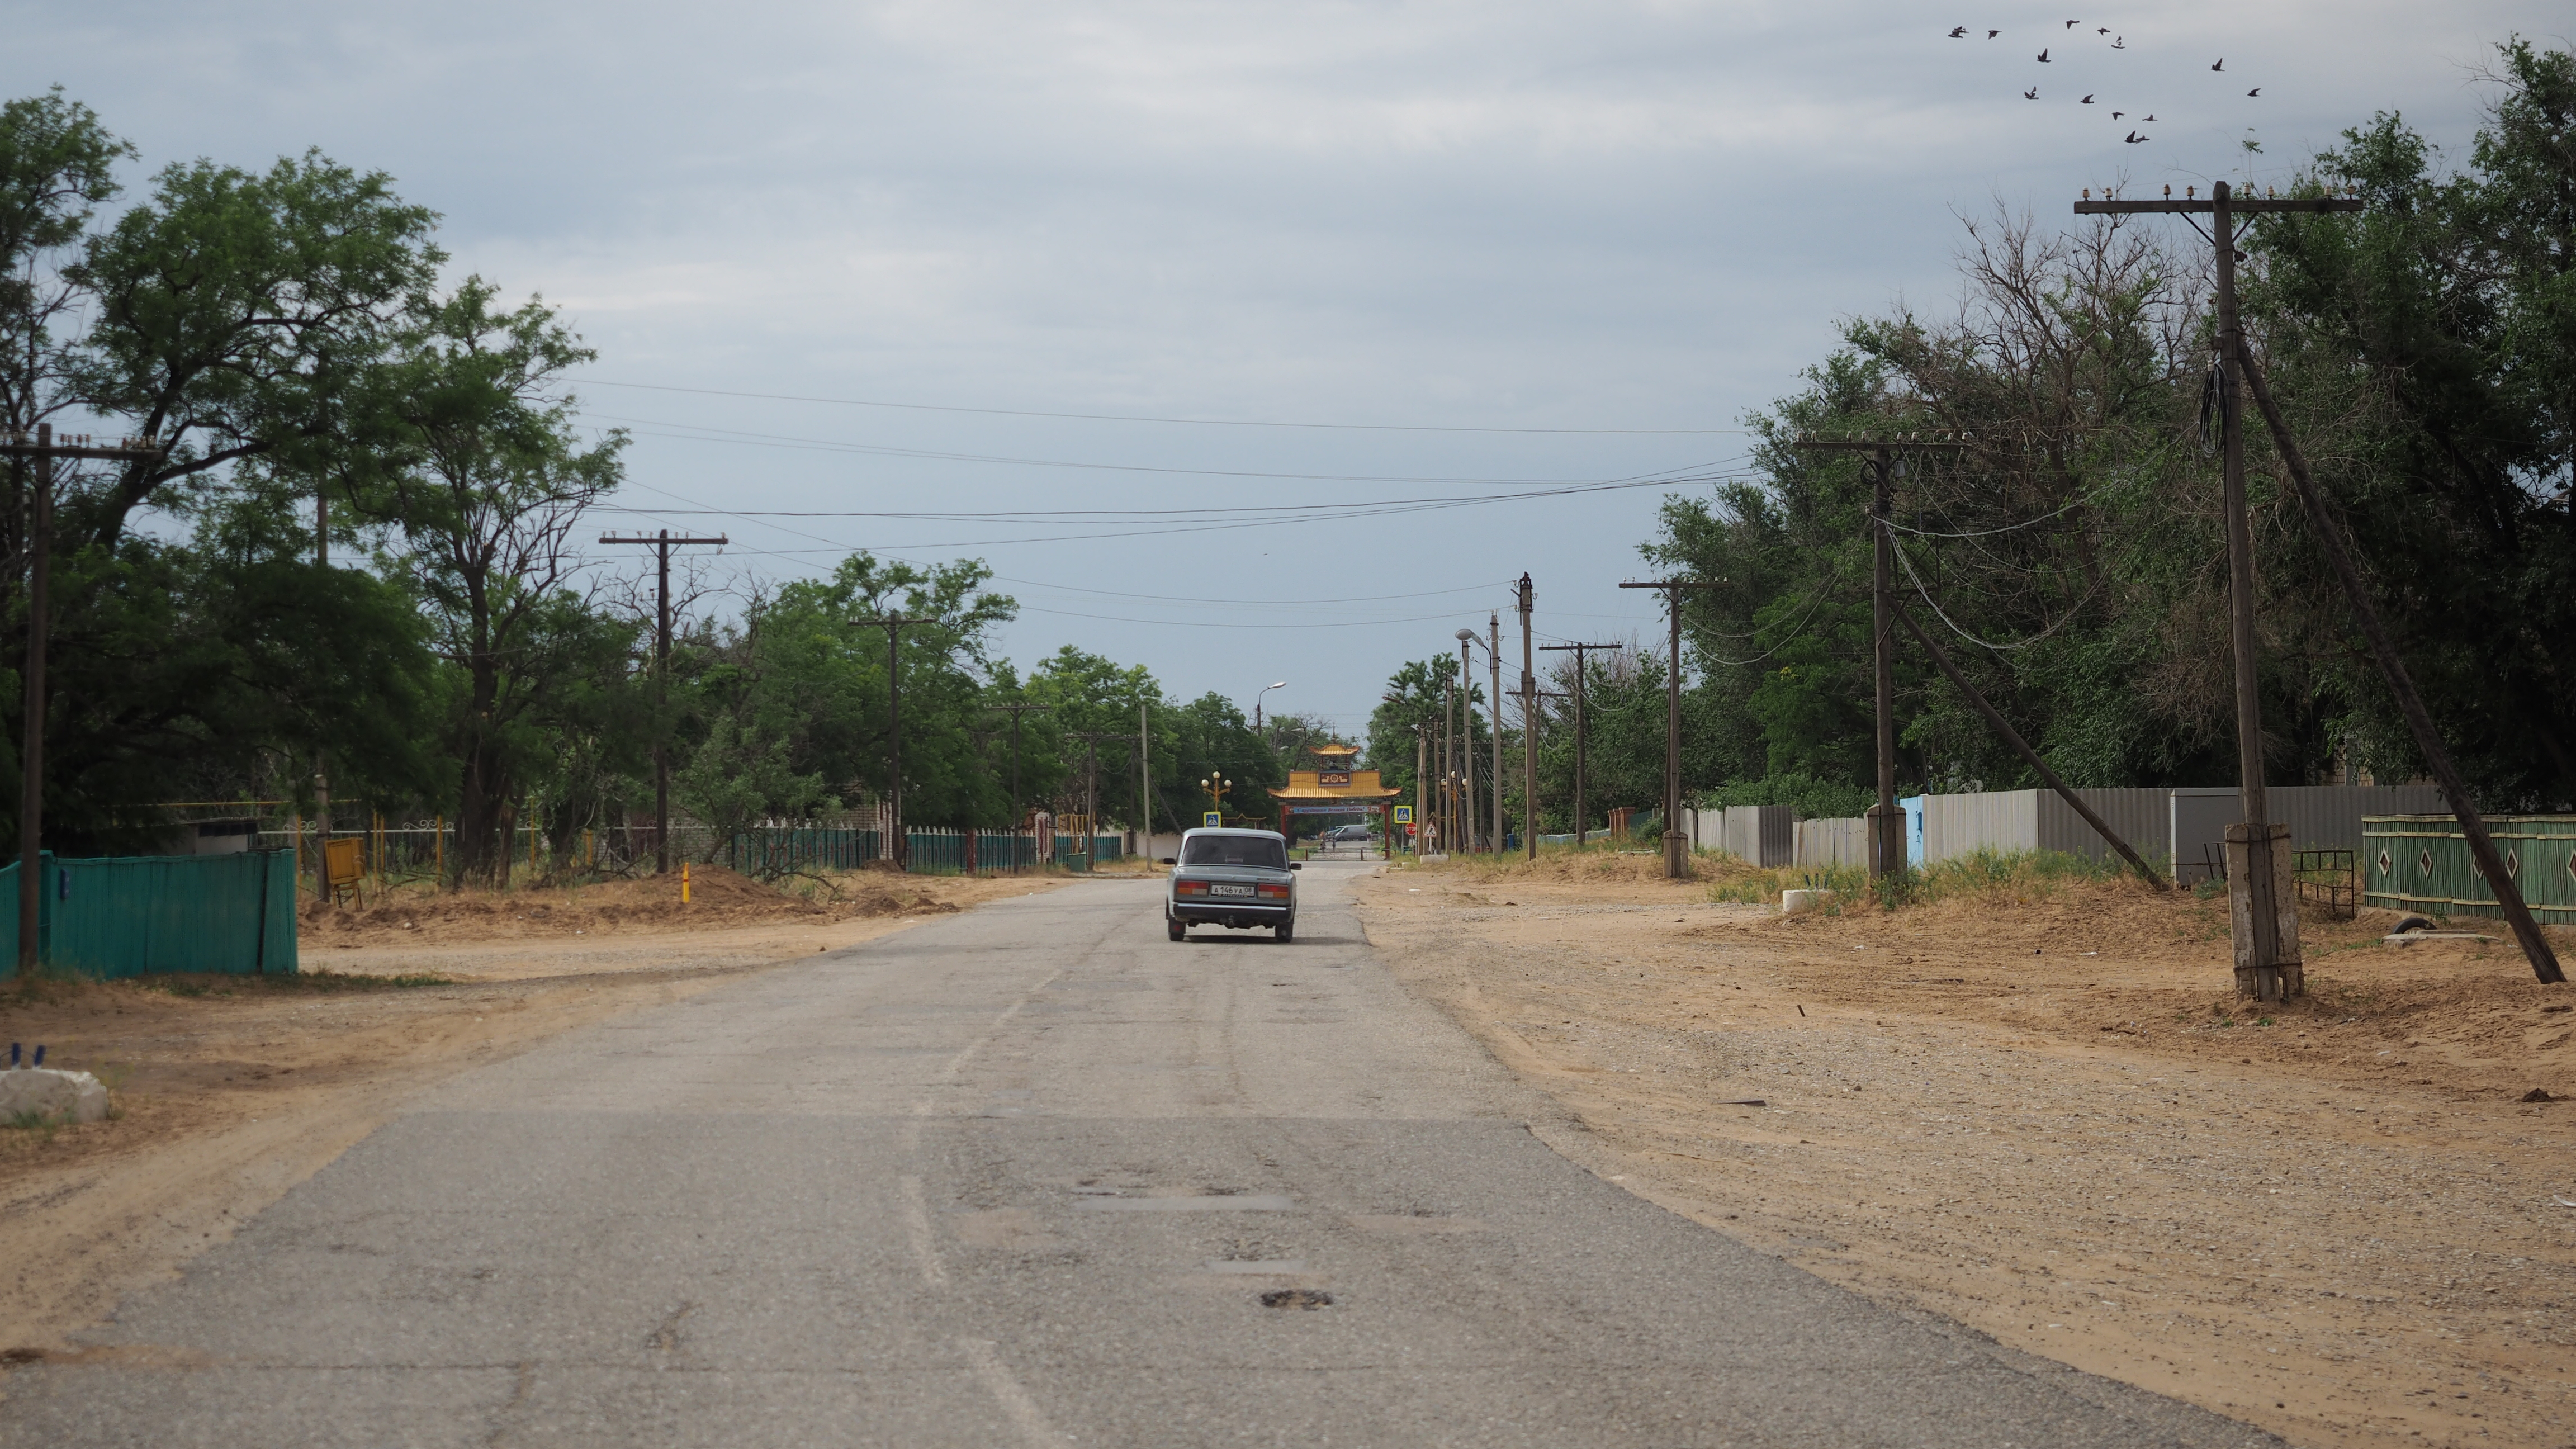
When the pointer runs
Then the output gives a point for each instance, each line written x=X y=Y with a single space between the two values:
x=1234 y=850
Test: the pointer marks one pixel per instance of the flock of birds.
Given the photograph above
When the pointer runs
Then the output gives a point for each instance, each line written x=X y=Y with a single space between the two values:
x=2118 y=42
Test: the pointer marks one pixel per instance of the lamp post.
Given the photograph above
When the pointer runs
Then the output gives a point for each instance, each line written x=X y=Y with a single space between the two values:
x=1256 y=706
x=1216 y=787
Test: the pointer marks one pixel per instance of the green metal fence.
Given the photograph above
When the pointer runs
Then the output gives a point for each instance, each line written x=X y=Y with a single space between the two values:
x=2421 y=863
x=770 y=850
x=148 y=915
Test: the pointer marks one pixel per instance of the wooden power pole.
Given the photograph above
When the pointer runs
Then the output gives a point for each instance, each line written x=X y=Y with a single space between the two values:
x=1529 y=726
x=1582 y=822
x=894 y=625
x=42 y=450
x=2263 y=905
x=1676 y=844
x=1018 y=812
x=662 y=542
x=1494 y=657
x=1886 y=464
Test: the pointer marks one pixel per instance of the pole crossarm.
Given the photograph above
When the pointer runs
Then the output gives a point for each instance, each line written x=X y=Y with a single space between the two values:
x=1908 y=443
x=21 y=448
x=2171 y=207
x=674 y=540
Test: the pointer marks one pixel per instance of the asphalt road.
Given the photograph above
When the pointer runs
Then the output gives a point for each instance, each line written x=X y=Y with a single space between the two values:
x=1034 y=1175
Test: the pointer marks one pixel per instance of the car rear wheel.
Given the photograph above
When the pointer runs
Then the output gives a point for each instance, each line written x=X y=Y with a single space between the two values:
x=1284 y=932
x=1178 y=931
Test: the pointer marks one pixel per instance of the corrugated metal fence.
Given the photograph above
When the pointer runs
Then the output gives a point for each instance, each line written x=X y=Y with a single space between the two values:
x=2164 y=825
x=152 y=914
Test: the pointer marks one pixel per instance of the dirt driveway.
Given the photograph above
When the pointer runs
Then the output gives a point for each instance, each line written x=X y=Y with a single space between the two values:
x=230 y=1090
x=2042 y=1112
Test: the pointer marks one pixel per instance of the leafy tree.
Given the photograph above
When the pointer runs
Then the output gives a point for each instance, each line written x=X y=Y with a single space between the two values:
x=482 y=483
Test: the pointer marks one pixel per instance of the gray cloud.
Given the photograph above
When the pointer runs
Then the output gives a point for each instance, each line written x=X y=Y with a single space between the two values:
x=1490 y=214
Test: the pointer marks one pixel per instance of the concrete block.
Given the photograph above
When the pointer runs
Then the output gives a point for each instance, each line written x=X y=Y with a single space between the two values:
x=1792 y=902
x=51 y=1093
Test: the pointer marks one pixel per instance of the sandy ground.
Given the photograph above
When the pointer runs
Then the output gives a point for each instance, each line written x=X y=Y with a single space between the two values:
x=230 y=1090
x=2042 y=1111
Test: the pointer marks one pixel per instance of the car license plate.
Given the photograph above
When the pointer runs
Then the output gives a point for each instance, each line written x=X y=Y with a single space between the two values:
x=1231 y=890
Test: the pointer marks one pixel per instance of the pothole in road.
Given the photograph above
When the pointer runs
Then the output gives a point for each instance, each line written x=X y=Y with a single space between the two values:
x=1296 y=1298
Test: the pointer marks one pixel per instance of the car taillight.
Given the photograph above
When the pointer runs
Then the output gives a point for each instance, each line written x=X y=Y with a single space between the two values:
x=1191 y=887
x=1274 y=893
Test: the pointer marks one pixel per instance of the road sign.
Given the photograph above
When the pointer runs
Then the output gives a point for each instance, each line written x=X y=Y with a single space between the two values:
x=1404 y=815
x=1212 y=820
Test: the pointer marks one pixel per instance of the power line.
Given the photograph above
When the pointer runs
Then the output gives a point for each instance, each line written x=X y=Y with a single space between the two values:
x=874 y=450
x=1143 y=418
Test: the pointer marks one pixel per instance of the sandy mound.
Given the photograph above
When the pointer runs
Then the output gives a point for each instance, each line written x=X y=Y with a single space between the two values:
x=718 y=898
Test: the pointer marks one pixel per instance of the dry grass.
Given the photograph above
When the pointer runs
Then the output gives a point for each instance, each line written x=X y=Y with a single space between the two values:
x=719 y=899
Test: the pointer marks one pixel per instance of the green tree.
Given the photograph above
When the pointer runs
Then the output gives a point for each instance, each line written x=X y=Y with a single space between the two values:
x=482 y=483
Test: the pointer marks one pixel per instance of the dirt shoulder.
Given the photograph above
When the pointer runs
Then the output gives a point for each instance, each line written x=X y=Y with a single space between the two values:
x=2041 y=1111
x=231 y=1090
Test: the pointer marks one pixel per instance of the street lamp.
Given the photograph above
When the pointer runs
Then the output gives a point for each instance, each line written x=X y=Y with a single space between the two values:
x=1256 y=703
x=1216 y=789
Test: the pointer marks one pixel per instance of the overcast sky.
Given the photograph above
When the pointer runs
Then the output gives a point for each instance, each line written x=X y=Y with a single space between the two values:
x=1426 y=219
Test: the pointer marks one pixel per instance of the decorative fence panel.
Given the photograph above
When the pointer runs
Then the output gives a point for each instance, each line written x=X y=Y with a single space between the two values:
x=2422 y=863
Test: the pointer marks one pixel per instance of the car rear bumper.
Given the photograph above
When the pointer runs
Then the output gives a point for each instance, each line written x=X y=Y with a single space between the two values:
x=1230 y=913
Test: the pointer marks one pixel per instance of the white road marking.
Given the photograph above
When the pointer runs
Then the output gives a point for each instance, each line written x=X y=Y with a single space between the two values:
x=1006 y=1390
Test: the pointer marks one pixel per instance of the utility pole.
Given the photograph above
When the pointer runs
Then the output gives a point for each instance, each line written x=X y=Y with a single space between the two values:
x=1494 y=657
x=1091 y=776
x=662 y=543
x=1886 y=821
x=1467 y=744
x=1144 y=789
x=1529 y=727
x=2401 y=683
x=1676 y=844
x=1421 y=768
x=894 y=626
x=1448 y=799
x=1582 y=822
x=2266 y=929
x=1018 y=814
x=43 y=450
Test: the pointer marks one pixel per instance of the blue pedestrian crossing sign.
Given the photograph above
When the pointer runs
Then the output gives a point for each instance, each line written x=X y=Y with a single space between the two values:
x=1404 y=815
x=1212 y=820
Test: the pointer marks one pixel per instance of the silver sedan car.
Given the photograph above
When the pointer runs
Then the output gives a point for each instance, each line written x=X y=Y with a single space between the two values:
x=1237 y=879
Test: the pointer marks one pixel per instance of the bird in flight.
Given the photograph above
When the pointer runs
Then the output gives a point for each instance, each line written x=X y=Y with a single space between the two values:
x=2071 y=24
x=2150 y=118
x=2115 y=115
x=2088 y=100
x=2221 y=65
x=2119 y=42
x=1958 y=32
x=1991 y=34
x=2101 y=30
x=2043 y=57
x=2135 y=138
x=2258 y=90
x=2031 y=95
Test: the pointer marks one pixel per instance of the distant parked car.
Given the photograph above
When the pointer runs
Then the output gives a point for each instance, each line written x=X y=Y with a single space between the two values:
x=1342 y=833
x=1237 y=879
